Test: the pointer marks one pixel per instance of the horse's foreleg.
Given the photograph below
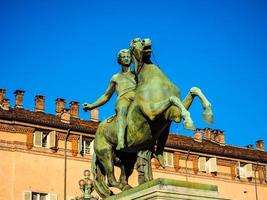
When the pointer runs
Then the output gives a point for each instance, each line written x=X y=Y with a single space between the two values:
x=156 y=109
x=188 y=122
x=194 y=91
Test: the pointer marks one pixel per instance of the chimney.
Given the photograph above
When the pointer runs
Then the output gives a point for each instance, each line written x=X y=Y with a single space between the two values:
x=250 y=146
x=207 y=133
x=5 y=104
x=2 y=94
x=19 y=98
x=213 y=136
x=74 y=109
x=65 y=116
x=220 y=137
x=39 y=103
x=198 y=135
x=60 y=105
x=94 y=115
x=260 y=145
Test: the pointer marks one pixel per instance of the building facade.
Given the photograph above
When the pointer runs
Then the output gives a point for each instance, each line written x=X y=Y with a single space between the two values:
x=43 y=156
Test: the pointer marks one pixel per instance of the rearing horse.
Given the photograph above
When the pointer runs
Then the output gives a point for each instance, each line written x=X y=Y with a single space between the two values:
x=157 y=103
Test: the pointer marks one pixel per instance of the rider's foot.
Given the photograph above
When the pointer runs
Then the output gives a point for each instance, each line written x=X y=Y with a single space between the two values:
x=120 y=146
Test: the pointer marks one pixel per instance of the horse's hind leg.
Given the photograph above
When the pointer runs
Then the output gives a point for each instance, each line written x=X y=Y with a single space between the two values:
x=107 y=161
x=194 y=91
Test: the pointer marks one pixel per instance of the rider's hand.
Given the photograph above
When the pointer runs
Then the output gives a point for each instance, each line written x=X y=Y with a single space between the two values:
x=87 y=106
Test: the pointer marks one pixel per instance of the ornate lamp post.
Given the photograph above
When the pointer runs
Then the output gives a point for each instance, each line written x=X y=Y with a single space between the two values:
x=86 y=186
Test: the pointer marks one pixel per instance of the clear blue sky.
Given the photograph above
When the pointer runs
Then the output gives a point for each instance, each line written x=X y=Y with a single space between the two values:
x=68 y=49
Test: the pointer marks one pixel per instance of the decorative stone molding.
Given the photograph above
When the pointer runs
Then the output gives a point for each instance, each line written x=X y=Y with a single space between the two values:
x=29 y=140
x=16 y=128
x=156 y=163
x=176 y=159
x=261 y=174
x=194 y=159
x=74 y=145
x=226 y=163
x=233 y=171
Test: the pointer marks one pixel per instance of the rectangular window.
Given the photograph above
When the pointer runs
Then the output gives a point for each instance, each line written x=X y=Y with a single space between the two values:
x=86 y=147
x=208 y=166
x=244 y=170
x=29 y=195
x=168 y=159
x=44 y=139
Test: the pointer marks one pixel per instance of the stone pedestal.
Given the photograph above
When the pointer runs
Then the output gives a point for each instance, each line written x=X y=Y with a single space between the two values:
x=168 y=189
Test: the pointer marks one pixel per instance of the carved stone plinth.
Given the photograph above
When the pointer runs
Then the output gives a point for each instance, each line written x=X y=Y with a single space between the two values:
x=161 y=189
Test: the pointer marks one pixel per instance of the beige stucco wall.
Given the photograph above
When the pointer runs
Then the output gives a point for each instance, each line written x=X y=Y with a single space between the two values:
x=40 y=170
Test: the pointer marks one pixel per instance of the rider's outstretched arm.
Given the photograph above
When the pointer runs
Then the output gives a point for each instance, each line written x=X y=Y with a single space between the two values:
x=106 y=96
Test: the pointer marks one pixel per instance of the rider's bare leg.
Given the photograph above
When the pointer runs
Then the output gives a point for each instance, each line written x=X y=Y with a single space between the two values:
x=122 y=108
x=157 y=108
x=194 y=91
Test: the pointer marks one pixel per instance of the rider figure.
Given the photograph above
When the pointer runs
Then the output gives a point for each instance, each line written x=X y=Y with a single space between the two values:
x=124 y=83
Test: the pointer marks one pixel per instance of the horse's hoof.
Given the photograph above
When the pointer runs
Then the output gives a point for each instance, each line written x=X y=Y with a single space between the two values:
x=189 y=125
x=208 y=116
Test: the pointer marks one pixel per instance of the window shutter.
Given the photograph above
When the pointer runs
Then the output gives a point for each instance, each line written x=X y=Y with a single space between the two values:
x=91 y=148
x=27 y=195
x=168 y=159
x=212 y=165
x=38 y=137
x=240 y=171
x=202 y=164
x=52 y=196
x=80 y=147
x=51 y=139
x=248 y=171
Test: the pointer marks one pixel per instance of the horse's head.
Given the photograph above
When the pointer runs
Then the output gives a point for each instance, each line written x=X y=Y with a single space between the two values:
x=140 y=50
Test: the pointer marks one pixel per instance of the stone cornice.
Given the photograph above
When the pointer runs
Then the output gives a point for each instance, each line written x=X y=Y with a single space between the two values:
x=16 y=129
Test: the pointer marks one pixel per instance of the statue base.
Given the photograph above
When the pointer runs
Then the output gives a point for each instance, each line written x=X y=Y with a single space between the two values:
x=161 y=188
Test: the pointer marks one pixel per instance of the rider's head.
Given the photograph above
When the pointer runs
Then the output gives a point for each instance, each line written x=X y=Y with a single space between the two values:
x=124 y=57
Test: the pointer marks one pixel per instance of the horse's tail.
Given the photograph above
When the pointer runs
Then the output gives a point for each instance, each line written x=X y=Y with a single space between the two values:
x=99 y=178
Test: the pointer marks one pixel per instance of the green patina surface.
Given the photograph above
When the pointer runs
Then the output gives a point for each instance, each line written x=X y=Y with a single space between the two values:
x=165 y=182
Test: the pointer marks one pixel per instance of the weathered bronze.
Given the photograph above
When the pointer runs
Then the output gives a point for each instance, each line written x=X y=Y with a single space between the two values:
x=124 y=83
x=155 y=105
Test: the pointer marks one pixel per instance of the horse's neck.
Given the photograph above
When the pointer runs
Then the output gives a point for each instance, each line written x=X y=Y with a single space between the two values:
x=147 y=71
